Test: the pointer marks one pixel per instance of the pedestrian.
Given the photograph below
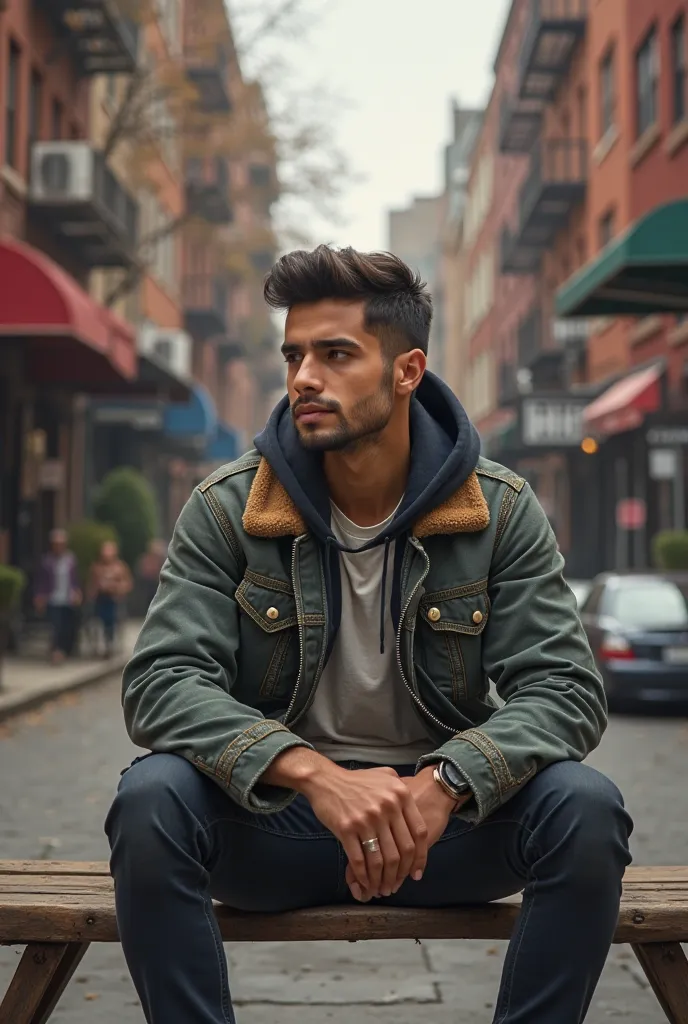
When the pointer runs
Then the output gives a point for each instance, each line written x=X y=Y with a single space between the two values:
x=148 y=572
x=109 y=583
x=312 y=678
x=59 y=595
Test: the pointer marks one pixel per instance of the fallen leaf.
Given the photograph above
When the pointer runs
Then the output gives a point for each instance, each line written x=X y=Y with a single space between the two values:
x=91 y=996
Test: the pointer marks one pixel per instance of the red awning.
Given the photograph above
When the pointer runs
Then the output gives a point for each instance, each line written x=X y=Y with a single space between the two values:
x=625 y=404
x=70 y=338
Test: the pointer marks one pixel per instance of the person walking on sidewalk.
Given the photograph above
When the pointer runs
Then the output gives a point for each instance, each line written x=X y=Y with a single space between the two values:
x=313 y=677
x=59 y=595
x=110 y=581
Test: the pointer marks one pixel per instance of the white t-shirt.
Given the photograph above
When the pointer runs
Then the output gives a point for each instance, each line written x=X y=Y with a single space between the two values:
x=362 y=710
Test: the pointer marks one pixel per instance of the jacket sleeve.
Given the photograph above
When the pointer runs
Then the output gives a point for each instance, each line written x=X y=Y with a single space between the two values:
x=177 y=687
x=537 y=654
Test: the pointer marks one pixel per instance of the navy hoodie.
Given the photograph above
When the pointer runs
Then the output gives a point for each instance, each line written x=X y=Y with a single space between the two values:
x=445 y=447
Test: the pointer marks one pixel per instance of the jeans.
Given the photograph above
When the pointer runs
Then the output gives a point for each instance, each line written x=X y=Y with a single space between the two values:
x=178 y=840
x=63 y=621
x=106 y=610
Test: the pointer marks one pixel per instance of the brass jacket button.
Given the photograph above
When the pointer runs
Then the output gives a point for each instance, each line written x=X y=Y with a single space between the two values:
x=477 y=617
x=272 y=613
x=434 y=614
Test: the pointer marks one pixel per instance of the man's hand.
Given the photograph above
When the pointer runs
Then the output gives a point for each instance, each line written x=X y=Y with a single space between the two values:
x=372 y=803
x=433 y=803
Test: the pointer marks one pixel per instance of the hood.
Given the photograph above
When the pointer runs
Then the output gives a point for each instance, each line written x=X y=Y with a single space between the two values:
x=445 y=447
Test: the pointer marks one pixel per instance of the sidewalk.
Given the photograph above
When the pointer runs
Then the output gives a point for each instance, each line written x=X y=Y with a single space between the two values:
x=27 y=682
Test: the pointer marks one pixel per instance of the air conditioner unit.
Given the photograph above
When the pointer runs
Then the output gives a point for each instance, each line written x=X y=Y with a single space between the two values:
x=63 y=171
x=169 y=348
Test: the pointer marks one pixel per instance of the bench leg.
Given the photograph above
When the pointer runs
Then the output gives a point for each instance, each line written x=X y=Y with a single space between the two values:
x=40 y=979
x=666 y=968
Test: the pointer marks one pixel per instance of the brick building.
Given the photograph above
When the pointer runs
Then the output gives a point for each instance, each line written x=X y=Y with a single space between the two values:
x=584 y=135
x=56 y=341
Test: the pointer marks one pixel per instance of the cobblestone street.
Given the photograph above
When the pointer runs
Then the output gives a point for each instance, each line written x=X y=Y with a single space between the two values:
x=59 y=767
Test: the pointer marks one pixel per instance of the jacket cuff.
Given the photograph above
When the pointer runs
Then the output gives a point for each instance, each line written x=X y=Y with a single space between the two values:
x=242 y=763
x=469 y=752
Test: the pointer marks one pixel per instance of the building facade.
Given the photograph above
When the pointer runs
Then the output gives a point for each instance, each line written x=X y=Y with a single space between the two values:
x=584 y=136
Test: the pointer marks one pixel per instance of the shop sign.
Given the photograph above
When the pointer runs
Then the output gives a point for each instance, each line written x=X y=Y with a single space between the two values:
x=51 y=475
x=552 y=421
x=663 y=463
x=138 y=417
x=631 y=514
x=668 y=436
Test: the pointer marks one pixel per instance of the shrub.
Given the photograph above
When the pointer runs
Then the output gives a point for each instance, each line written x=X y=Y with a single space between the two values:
x=126 y=501
x=12 y=583
x=670 y=550
x=85 y=540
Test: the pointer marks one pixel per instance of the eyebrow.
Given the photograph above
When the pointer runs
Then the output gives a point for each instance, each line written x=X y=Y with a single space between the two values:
x=322 y=344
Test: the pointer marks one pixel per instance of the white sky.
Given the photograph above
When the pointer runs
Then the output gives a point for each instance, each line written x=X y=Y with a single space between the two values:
x=398 y=63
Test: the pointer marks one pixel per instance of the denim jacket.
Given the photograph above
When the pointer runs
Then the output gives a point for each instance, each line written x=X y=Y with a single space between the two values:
x=235 y=642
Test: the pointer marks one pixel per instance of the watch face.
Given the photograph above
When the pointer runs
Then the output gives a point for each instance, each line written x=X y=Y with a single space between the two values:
x=454 y=777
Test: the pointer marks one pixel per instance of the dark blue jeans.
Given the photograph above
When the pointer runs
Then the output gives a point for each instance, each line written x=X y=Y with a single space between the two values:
x=177 y=841
x=63 y=621
x=105 y=609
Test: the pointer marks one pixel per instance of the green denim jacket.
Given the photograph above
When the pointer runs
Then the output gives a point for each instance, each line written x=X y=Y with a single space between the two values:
x=234 y=644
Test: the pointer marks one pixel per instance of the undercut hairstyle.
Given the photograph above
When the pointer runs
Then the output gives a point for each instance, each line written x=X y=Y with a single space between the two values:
x=397 y=304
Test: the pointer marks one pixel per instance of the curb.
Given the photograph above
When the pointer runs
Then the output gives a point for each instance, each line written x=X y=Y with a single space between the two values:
x=16 y=703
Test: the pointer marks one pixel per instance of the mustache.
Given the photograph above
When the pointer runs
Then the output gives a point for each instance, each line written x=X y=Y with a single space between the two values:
x=324 y=406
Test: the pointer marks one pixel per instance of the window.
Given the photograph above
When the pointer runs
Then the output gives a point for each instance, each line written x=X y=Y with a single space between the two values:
x=647 y=82
x=606 y=228
x=11 y=110
x=259 y=175
x=607 y=93
x=35 y=105
x=678 y=69
x=56 y=120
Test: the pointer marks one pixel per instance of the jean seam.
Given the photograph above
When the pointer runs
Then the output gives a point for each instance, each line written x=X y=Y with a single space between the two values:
x=221 y=962
x=525 y=917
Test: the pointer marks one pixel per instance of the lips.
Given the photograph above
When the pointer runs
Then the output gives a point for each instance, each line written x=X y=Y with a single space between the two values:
x=311 y=413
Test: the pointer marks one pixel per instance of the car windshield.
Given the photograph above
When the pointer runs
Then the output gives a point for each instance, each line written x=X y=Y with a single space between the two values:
x=651 y=604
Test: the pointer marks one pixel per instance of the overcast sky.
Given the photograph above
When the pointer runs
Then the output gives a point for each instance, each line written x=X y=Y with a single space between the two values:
x=398 y=63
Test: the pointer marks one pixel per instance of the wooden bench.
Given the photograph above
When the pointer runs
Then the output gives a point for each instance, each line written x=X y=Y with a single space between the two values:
x=56 y=909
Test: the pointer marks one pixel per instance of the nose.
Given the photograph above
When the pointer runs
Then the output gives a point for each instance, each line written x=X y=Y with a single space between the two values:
x=307 y=376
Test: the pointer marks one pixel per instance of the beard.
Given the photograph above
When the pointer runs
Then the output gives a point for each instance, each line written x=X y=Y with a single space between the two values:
x=367 y=419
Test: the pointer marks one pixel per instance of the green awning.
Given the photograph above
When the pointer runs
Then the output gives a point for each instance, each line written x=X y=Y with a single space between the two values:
x=643 y=271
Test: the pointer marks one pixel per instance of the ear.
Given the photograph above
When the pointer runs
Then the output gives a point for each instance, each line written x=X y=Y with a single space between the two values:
x=408 y=371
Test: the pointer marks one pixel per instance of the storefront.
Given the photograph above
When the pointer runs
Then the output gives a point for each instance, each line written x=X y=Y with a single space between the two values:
x=542 y=442
x=56 y=345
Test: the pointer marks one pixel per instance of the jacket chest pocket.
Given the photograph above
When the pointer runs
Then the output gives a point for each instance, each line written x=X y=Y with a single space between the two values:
x=269 y=635
x=450 y=625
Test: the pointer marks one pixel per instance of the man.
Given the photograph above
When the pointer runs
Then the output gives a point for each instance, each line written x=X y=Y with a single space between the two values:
x=58 y=593
x=313 y=677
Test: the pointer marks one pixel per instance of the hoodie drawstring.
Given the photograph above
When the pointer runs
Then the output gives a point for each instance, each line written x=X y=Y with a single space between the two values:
x=383 y=594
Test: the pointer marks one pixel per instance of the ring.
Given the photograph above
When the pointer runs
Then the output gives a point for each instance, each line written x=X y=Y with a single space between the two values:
x=371 y=845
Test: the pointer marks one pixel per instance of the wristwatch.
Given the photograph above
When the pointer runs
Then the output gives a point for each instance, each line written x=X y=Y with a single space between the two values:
x=451 y=780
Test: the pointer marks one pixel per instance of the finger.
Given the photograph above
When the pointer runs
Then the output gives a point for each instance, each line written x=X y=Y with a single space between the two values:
x=357 y=860
x=406 y=845
x=391 y=857
x=375 y=860
x=419 y=832
x=354 y=887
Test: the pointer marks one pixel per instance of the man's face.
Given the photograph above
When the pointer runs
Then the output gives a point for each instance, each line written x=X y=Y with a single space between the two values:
x=58 y=543
x=341 y=389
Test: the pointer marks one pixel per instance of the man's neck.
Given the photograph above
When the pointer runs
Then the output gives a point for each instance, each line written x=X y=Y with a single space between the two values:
x=368 y=483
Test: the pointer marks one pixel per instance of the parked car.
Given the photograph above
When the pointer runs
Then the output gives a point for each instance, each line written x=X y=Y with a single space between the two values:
x=638 y=630
x=581 y=589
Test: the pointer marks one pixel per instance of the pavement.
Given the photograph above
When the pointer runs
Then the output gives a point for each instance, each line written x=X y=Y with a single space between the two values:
x=60 y=765
x=29 y=681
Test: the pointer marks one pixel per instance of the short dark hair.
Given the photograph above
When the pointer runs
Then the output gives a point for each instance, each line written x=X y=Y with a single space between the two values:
x=398 y=306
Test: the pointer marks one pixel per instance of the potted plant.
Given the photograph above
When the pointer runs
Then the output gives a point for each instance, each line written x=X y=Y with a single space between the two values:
x=12 y=583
